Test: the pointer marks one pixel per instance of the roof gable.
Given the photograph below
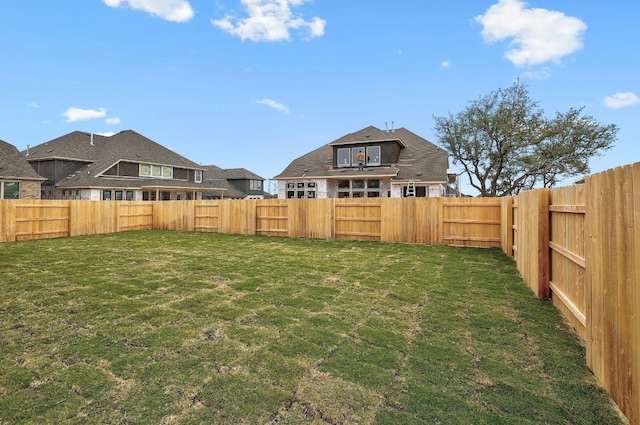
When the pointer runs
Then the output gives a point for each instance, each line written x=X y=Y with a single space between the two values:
x=13 y=165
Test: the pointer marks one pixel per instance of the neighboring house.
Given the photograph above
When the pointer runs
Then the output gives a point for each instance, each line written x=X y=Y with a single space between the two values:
x=125 y=166
x=368 y=163
x=17 y=179
x=239 y=182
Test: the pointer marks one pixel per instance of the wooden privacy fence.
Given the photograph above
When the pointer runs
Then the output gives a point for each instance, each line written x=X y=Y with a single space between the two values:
x=580 y=246
x=433 y=221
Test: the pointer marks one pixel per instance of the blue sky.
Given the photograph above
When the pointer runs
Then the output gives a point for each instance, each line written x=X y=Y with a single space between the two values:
x=257 y=83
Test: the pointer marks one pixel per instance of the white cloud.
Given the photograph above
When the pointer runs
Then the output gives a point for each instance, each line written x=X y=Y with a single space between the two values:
x=170 y=10
x=275 y=105
x=33 y=105
x=107 y=134
x=270 y=20
x=445 y=63
x=75 y=114
x=540 y=74
x=621 y=100
x=114 y=120
x=537 y=35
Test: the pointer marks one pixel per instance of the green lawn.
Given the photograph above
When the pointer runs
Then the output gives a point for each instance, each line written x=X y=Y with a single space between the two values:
x=192 y=328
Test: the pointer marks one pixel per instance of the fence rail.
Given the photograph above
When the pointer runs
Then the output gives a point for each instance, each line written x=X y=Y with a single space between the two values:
x=578 y=245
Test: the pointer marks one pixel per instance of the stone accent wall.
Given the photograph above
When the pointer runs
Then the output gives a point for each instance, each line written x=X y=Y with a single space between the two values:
x=29 y=189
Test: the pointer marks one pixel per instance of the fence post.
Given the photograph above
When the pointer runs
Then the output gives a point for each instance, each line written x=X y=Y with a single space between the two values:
x=544 y=258
x=506 y=225
x=8 y=220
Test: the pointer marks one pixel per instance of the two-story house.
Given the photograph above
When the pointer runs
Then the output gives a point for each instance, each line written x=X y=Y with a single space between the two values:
x=239 y=182
x=125 y=166
x=368 y=163
x=17 y=179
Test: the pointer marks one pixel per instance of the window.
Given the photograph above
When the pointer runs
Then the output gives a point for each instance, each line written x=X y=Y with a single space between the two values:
x=255 y=184
x=129 y=195
x=145 y=170
x=301 y=190
x=71 y=194
x=373 y=155
x=161 y=171
x=198 y=176
x=290 y=192
x=118 y=195
x=353 y=157
x=10 y=190
x=106 y=195
x=344 y=157
x=357 y=156
x=358 y=188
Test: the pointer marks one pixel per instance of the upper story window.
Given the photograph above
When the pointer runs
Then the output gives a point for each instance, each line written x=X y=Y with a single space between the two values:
x=344 y=157
x=151 y=170
x=353 y=157
x=255 y=184
x=373 y=155
x=198 y=176
x=357 y=156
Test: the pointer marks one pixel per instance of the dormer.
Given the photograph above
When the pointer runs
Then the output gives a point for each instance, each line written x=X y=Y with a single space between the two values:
x=376 y=152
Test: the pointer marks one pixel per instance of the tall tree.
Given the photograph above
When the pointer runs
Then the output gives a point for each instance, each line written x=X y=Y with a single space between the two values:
x=505 y=144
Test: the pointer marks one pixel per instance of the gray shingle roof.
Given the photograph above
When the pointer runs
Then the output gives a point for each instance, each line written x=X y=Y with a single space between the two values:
x=13 y=165
x=100 y=153
x=214 y=171
x=419 y=159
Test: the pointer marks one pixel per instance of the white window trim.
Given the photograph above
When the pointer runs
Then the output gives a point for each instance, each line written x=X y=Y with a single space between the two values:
x=2 y=183
x=155 y=171
x=368 y=162
x=348 y=163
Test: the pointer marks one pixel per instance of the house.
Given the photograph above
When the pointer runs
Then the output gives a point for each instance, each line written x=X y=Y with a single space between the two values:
x=125 y=166
x=239 y=182
x=17 y=179
x=368 y=163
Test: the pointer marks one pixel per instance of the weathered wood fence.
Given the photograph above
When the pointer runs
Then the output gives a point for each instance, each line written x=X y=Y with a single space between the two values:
x=577 y=245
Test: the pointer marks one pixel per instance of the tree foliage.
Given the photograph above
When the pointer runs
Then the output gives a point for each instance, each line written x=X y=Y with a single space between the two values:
x=506 y=145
